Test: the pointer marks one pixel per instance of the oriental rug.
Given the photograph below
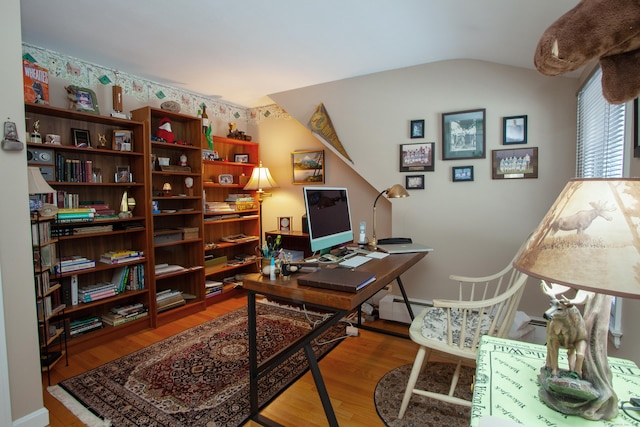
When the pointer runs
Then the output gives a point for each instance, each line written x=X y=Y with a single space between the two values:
x=424 y=411
x=199 y=377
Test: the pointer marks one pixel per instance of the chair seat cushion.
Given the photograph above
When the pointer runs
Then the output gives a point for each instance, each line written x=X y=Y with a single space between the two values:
x=434 y=325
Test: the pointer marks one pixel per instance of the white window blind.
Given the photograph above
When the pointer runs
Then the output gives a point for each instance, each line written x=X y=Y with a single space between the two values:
x=600 y=147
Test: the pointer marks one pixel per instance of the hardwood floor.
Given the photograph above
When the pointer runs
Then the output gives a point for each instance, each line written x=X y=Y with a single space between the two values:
x=351 y=372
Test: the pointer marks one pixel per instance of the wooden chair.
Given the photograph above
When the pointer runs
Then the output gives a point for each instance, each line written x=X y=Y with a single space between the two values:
x=485 y=305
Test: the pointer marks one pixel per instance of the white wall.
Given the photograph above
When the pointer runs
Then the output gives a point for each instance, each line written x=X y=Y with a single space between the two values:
x=475 y=227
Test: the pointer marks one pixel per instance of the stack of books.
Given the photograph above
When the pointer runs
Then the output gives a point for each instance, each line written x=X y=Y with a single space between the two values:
x=168 y=299
x=212 y=287
x=120 y=256
x=82 y=326
x=123 y=314
x=96 y=292
x=67 y=215
x=101 y=208
x=74 y=263
x=216 y=207
x=167 y=268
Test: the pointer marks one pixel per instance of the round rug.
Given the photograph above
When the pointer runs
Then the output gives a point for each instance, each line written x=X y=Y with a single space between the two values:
x=424 y=411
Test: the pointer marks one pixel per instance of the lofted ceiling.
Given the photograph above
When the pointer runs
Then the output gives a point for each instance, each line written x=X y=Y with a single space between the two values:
x=240 y=51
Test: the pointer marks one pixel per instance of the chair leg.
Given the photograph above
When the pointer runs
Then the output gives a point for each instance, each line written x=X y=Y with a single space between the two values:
x=418 y=366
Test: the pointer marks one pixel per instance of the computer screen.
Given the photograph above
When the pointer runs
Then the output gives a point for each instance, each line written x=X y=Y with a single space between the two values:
x=328 y=217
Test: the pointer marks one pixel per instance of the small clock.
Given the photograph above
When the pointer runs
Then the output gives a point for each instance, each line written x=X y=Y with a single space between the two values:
x=284 y=223
x=225 y=179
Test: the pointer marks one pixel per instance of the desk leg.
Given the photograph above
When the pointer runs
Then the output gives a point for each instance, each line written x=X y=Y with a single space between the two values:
x=322 y=389
x=406 y=299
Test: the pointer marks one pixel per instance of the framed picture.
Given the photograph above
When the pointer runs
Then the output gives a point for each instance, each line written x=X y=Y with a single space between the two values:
x=462 y=173
x=417 y=129
x=285 y=223
x=417 y=157
x=241 y=158
x=82 y=99
x=308 y=167
x=414 y=182
x=123 y=174
x=514 y=130
x=463 y=135
x=80 y=138
x=122 y=140
x=515 y=163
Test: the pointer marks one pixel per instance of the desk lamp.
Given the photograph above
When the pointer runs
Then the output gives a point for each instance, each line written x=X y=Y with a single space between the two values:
x=259 y=181
x=38 y=185
x=589 y=240
x=393 y=192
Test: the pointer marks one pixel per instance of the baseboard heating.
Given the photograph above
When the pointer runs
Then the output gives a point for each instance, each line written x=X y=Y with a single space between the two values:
x=392 y=307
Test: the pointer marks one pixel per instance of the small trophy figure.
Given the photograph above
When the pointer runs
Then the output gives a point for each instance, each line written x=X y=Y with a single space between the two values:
x=35 y=134
x=102 y=140
x=125 y=212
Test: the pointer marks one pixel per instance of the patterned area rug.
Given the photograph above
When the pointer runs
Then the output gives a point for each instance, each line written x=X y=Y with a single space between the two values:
x=199 y=377
x=424 y=411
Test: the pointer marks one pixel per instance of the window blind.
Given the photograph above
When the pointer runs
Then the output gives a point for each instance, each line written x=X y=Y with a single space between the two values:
x=600 y=145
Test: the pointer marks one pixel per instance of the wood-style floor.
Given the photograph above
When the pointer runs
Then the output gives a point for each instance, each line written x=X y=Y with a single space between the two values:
x=351 y=372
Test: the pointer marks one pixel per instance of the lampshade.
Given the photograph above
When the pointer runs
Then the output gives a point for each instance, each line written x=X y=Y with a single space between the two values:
x=590 y=238
x=260 y=180
x=37 y=183
x=393 y=192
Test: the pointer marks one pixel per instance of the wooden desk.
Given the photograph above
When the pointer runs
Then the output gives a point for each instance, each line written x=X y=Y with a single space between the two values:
x=337 y=303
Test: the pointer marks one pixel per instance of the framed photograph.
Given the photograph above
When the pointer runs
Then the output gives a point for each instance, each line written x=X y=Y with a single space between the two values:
x=285 y=223
x=80 y=138
x=414 y=182
x=417 y=157
x=462 y=173
x=515 y=163
x=417 y=129
x=514 y=130
x=123 y=174
x=241 y=158
x=122 y=140
x=82 y=99
x=463 y=135
x=308 y=167
x=225 y=179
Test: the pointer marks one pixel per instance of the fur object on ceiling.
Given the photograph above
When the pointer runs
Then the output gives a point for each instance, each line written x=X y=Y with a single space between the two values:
x=596 y=29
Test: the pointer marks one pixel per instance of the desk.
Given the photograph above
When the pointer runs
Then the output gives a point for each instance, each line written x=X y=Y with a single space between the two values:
x=506 y=386
x=337 y=303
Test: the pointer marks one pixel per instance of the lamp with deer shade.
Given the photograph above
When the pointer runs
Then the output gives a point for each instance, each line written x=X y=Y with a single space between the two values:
x=588 y=241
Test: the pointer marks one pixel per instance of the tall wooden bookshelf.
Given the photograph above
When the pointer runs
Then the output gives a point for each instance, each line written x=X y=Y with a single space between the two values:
x=174 y=183
x=86 y=175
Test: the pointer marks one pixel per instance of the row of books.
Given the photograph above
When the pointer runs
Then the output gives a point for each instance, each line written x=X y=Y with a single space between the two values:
x=128 y=278
x=40 y=232
x=81 y=326
x=73 y=170
x=213 y=287
x=75 y=215
x=123 y=314
x=169 y=299
x=90 y=229
x=101 y=208
x=74 y=263
x=120 y=256
x=96 y=292
x=48 y=306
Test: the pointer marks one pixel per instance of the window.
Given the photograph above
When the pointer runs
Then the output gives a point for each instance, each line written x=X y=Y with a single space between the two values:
x=600 y=154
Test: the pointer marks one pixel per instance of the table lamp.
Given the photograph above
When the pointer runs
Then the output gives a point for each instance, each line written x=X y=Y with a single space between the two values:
x=589 y=240
x=38 y=185
x=259 y=181
x=393 y=192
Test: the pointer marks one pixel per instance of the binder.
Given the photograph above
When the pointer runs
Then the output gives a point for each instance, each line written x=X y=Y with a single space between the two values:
x=338 y=279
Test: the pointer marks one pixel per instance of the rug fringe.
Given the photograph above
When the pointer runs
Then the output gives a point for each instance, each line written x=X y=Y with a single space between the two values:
x=79 y=410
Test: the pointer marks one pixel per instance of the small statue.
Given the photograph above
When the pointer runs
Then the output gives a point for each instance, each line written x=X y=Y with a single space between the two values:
x=164 y=130
x=35 y=135
x=102 y=140
x=183 y=160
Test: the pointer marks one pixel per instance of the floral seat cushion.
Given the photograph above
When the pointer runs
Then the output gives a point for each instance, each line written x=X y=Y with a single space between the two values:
x=434 y=325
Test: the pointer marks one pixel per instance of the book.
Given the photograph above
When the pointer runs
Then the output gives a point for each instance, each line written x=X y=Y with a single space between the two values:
x=338 y=279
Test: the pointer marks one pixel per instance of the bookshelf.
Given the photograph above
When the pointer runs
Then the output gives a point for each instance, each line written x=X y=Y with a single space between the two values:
x=174 y=185
x=101 y=209
x=229 y=211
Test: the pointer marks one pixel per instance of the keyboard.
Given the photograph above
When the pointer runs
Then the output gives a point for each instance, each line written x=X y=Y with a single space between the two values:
x=354 y=261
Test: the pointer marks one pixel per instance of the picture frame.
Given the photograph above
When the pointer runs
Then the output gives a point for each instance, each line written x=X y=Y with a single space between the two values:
x=241 y=158
x=514 y=163
x=463 y=134
x=461 y=173
x=308 y=167
x=285 y=223
x=123 y=174
x=225 y=179
x=122 y=140
x=514 y=130
x=81 y=138
x=416 y=129
x=82 y=99
x=417 y=157
x=414 y=182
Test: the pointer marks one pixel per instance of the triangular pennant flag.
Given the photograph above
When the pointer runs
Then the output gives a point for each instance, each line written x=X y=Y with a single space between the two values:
x=320 y=123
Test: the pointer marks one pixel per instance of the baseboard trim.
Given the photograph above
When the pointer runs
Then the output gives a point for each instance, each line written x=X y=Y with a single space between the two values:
x=39 y=418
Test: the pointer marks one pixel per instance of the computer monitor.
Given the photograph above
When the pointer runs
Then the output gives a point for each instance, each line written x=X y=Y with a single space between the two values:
x=328 y=217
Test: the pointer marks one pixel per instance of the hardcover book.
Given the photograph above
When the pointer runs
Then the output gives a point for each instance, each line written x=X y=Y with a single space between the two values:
x=338 y=279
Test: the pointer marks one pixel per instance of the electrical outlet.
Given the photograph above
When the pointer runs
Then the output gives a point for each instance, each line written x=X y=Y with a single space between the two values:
x=352 y=331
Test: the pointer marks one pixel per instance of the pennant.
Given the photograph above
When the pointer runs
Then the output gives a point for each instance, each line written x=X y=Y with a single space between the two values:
x=320 y=123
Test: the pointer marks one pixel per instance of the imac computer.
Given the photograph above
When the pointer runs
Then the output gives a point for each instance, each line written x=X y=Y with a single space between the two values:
x=328 y=217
